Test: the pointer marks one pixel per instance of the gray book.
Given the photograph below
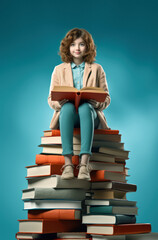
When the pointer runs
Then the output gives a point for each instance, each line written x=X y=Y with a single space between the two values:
x=51 y=193
x=119 y=153
x=110 y=202
x=114 y=185
x=55 y=181
x=144 y=236
x=101 y=237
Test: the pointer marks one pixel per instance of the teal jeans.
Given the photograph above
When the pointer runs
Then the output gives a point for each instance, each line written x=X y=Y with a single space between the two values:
x=86 y=119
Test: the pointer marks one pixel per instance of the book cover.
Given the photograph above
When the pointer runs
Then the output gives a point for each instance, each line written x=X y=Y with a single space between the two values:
x=72 y=94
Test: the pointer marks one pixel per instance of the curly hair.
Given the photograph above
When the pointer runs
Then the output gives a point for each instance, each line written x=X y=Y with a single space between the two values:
x=72 y=35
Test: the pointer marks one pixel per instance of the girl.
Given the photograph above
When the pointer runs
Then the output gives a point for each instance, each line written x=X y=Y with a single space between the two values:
x=78 y=51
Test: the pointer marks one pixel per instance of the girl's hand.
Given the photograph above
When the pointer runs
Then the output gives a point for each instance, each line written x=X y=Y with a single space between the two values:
x=94 y=103
x=62 y=102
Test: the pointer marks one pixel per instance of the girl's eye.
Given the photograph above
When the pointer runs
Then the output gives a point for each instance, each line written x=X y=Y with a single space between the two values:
x=82 y=44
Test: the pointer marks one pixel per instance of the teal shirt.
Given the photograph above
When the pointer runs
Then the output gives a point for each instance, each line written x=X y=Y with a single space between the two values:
x=77 y=72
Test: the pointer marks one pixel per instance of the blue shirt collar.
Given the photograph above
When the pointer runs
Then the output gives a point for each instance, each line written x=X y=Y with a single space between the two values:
x=82 y=65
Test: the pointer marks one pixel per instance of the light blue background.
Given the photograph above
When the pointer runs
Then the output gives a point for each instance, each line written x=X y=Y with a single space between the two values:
x=125 y=33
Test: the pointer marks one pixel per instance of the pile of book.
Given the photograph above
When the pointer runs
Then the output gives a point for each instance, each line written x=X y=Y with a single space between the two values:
x=80 y=209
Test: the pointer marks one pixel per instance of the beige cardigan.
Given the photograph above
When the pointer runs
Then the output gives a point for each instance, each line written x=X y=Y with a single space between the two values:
x=94 y=76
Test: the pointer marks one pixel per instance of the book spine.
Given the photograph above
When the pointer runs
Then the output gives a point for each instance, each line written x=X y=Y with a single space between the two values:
x=125 y=219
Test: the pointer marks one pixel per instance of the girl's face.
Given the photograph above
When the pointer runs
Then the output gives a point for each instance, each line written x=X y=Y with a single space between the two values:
x=78 y=48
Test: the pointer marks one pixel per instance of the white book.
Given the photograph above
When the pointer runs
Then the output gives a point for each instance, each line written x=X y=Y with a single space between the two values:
x=39 y=170
x=52 y=204
x=108 y=219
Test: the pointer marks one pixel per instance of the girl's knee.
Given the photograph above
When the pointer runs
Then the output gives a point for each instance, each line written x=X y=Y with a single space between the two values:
x=68 y=108
x=85 y=108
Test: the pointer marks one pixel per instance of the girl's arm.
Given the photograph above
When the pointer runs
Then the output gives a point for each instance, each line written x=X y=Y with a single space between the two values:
x=102 y=83
x=54 y=82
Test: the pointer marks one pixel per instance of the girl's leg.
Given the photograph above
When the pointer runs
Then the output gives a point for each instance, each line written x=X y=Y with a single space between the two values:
x=66 y=121
x=88 y=121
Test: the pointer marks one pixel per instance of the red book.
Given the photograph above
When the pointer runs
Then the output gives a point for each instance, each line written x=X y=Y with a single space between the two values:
x=121 y=229
x=56 y=132
x=49 y=226
x=55 y=214
x=54 y=159
x=73 y=94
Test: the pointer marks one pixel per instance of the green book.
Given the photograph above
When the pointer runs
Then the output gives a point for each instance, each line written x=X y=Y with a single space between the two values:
x=102 y=210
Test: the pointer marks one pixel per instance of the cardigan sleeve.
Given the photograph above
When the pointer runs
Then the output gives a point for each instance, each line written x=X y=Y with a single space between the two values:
x=54 y=82
x=102 y=83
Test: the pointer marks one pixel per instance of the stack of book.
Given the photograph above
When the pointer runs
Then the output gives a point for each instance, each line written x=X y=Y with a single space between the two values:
x=109 y=213
x=80 y=209
x=54 y=205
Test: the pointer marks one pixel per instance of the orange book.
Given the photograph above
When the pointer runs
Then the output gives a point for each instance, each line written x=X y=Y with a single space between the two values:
x=54 y=159
x=73 y=94
x=103 y=175
x=55 y=214
x=120 y=229
x=49 y=226
x=56 y=132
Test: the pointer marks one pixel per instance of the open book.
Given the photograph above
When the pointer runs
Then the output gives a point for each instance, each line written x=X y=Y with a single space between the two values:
x=73 y=94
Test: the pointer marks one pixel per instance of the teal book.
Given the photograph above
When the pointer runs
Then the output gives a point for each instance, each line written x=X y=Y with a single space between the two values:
x=112 y=210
